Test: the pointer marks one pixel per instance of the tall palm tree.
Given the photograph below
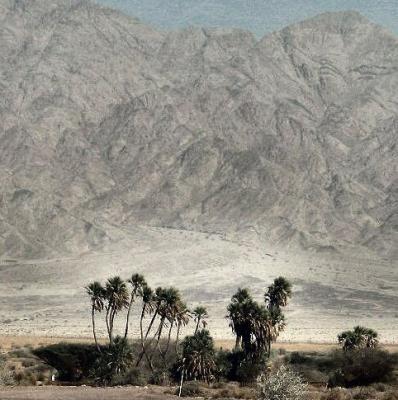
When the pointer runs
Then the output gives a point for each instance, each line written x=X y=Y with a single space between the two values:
x=169 y=308
x=278 y=293
x=148 y=305
x=117 y=297
x=137 y=282
x=200 y=315
x=239 y=311
x=261 y=327
x=156 y=301
x=182 y=319
x=277 y=296
x=97 y=293
x=276 y=325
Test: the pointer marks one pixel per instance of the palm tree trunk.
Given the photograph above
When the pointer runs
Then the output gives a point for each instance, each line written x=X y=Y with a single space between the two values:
x=162 y=321
x=237 y=342
x=126 y=331
x=177 y=337
x=142 y=334
x=94 y=332
x=151 y=323
x=143 y=352
x=107 y=323
x=197 y=326
x=111 y=322
x=168 y=341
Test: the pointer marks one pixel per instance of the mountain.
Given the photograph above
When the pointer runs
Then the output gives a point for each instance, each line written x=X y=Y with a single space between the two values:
x=106 y=123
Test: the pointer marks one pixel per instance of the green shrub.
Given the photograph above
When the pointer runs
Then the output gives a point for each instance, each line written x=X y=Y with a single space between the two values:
x=224 y=365
x=162 y=377
x=248 y=370
x=298 y=358
x=73 y=362
x=238 y=367
x=363 y=367
x=113 y=362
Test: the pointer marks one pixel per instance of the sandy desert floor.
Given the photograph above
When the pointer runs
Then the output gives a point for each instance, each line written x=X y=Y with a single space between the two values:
x=332 y=291
x=83 y=393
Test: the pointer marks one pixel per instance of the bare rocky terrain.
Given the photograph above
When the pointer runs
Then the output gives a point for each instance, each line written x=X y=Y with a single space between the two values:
x=205 y=158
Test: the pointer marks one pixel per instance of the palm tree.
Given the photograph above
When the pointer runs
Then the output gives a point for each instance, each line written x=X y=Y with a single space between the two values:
x=360 y=337
x=148 y=305
x=198 y=356
x=117 y=297
x=154 y=300
x=239 y=311
x=169 y=307
x=97 y=293
x=137 y=282
x=200 y=314
x=276 y=324
x=278 y=293
x=179 y=315
x=182 y=319
x=277 y=296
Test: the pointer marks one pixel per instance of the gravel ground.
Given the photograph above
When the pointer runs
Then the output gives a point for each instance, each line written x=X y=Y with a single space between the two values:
x=83 y=393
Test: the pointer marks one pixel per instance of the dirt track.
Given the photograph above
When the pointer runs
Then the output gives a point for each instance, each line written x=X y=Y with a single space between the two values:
x=82 y=393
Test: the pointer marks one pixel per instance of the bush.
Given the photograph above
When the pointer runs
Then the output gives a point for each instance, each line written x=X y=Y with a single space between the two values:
x=249 y=370
x=380 y=387
x=28 y=363
x=236 y=366
x=113 y=362
x=363 y=367
x=20 y=353
x=73 y=362
x=161 y=377
x=390 y=396
x=224 y=366
x=234 y=392
x=134 y=376
x=7 y=377
x=298 y=358
x=337 y=394
x=364 y=393
x=281 y=384
x=190 y=389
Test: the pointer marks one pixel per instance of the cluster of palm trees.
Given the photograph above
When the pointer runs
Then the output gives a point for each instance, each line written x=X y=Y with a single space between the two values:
x=165 y=308
x=256 y=325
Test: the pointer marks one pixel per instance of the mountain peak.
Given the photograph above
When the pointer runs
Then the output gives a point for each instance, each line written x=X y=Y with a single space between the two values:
x=341 y=22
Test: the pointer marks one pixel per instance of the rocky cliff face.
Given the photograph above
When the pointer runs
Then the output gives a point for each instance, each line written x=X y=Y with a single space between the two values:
x=107 y=122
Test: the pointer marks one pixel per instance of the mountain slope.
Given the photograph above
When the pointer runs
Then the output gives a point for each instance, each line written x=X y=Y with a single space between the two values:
x=105 y=121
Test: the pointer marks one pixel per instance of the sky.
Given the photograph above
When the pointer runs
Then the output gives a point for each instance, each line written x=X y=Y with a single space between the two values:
x=258 y=16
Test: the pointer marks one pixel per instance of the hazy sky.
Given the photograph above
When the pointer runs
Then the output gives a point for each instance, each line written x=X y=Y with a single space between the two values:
x=259 y=16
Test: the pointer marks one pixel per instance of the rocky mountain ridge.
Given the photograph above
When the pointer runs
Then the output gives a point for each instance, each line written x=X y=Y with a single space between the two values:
x=107 y=123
